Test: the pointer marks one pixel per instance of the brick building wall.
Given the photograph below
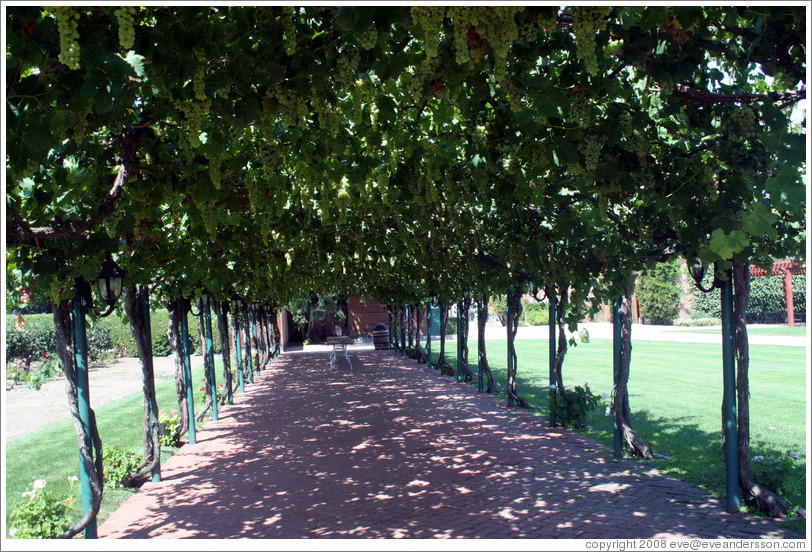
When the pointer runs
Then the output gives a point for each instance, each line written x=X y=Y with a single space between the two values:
x=364 y=314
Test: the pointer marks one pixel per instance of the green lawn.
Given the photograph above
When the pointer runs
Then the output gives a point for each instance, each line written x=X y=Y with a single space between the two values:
x=53 y=454
x=798 y=331
x=676 y=396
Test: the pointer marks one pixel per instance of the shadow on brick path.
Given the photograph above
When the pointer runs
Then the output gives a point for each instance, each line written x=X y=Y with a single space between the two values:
x=394 y=450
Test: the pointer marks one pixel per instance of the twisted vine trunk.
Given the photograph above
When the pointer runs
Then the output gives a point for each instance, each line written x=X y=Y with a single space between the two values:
x=91 y=457
x=420 y=353
x=561 y=352
x=177 y=309
x=462 y=337
x=620 y=405
x=409 y=330
x=514 y=299
x=207 y=369
x=402 y=326
x=143 y=341
x=442 y=364
x=225 y=351
x=275 y=330
x=764 y=499
x=481 y=320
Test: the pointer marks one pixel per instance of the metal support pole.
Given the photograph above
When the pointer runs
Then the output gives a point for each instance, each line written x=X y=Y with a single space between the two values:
x=187 y=369
x=616 y=359
x=553 y=321
x=83 y=392
x=238 y=348
x=153 y=416
x=459 y=341
x=249 y=362
x=509 y=356
x=210 y=376
x=731 y=437
x=428 y=334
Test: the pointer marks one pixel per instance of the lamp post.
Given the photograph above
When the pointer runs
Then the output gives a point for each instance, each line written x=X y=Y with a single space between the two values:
x=204 y=310
x=109 y=284
x=185 y=348
x=729 y=422
x=237 y=302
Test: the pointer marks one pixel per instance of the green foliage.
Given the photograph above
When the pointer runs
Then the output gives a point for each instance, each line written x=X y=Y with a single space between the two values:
x=784 y=474
x=36 y=375
x=535 y=313
x=574 y=410
x=41 y=514
x=171 y=423
x=658 y=294
x=497 y=306
x=766 y=297
x=119 y=463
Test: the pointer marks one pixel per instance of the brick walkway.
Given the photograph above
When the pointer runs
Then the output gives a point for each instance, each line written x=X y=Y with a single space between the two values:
x=394 y=450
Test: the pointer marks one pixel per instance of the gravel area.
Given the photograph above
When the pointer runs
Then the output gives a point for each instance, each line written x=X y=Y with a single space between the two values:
x=35 y=410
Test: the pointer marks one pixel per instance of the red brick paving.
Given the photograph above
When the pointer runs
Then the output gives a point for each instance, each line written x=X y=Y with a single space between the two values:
x=393 y=450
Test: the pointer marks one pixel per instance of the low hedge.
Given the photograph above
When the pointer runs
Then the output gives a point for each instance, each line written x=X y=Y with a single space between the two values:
x=38 y=335
x=536 y=314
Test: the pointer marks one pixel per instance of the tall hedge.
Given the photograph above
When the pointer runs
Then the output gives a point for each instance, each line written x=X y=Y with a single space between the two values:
x=766 y=298
x=658 y=293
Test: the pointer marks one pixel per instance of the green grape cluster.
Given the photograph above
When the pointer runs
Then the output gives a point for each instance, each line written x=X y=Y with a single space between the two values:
x=293 y=106
x=547 y=19
x=460 y=16
x=496 y=24
x=591 y=148
x=368 y=38
x=199 y=83
x=126 y=31
x=289 y=29
x=580 y=109
x=527 y=29
x=82 y=123
x=744 y=123
x=586 y=22
x=67 y=22
x=347 y=65
x=195 y=112
x=429 y=18
x=215 y=170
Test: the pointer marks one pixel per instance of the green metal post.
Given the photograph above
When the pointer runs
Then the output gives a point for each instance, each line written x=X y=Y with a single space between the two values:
x=153 y=416
x=428 y=334
x=83 y=392
x=616 y=346
x=509 y=358
x=248 y=360
x=238 y=346
x=553 y=308
x=210 y=376
x=731 y=437
x=187 y=369
x=254 y=330
x=480 y=373
x=459 y=341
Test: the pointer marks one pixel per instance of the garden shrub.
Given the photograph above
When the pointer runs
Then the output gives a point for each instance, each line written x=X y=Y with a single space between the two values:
x=169 y=432
x=119 y=463
x=43 y=515
x=766 y=297
x=658 y=294
x=784 y=474
x=535 y=313
x=574 y=410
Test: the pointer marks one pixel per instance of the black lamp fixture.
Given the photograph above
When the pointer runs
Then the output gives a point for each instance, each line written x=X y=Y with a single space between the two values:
x=200 y=302
x=697 y=272
x=433 y=297
x=109 y=284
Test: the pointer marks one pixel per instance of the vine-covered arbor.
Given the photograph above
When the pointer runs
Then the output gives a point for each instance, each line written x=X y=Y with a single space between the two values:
x=401 y=152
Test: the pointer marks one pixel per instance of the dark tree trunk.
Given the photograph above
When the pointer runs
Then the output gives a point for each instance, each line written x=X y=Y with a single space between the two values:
x=514 y=298
x=207 y=369
x=143 y=343
x=482 y=319
x=620 y=404
x=402 y=326
x=462 y=337
x=421 y=354
x=560 y=312
x=90 y=457
x=177 y=309
x=442 y=364
x=764 y=499
x=275 y=328
x=225 y=351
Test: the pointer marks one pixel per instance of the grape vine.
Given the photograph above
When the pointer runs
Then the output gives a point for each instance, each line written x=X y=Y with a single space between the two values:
x=67 y=22
x=126 y=31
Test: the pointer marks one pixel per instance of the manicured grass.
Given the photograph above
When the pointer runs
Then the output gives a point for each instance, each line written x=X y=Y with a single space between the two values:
x=53 y=454
x=798 y=331
x=676 y=396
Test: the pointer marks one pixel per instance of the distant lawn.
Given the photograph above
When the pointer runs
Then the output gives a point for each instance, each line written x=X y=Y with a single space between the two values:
x=799 y=331
x=676 y=395
x=53 y=453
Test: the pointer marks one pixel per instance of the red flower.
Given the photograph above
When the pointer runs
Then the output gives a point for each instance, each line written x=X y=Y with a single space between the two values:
x=202 y=388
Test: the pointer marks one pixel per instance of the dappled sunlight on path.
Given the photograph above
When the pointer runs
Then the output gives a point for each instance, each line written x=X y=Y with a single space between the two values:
x=394 y=450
